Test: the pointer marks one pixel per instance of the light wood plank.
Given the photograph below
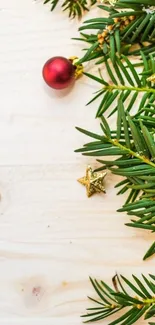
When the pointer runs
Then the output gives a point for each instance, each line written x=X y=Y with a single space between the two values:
x=51 y=236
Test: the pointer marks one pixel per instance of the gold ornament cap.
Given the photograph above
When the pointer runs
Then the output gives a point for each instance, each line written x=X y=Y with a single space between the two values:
x=78 y=67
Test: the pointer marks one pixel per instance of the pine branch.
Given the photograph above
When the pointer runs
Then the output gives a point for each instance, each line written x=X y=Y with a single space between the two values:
x=120 y=31
x=135 y=145
x=74 y=7
x=127 y=83
x=139 y=303
x=133 y=138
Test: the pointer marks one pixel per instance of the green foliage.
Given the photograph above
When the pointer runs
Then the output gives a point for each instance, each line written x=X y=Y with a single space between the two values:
x=74 y=7
x=121 y=30
x=127 y=83
x=134 y=142
x=133 y=138
x=140 y=302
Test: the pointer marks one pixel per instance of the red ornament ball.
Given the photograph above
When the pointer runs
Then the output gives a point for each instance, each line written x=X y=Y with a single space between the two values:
x=58 y=72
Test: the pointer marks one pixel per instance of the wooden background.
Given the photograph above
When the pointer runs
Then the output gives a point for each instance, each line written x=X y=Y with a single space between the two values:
x=51 y=236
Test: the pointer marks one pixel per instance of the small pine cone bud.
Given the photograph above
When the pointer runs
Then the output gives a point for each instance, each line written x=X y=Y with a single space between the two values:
x=127 y=22
x=121 y=27
x=110 y=27
x=99 y=36
x=132 y=18
x=116 y=20
x=151 y=78
x=101 y=40
x=105 y=33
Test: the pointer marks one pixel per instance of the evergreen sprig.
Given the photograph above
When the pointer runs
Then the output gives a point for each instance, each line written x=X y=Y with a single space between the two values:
x=125 y=81
x=74 y=7
x=120 y=31
x=134 y=142
x=140 y=302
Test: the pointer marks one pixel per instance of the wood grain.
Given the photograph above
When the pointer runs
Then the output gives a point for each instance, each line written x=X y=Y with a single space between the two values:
x=51 y=236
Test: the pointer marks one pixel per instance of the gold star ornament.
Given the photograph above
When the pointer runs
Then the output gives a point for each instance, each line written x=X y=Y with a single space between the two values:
x=93 y=181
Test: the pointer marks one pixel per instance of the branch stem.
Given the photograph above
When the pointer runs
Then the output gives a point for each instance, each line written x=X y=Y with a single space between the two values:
x=131 y=152
x=148 y=301
x=138 y=89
